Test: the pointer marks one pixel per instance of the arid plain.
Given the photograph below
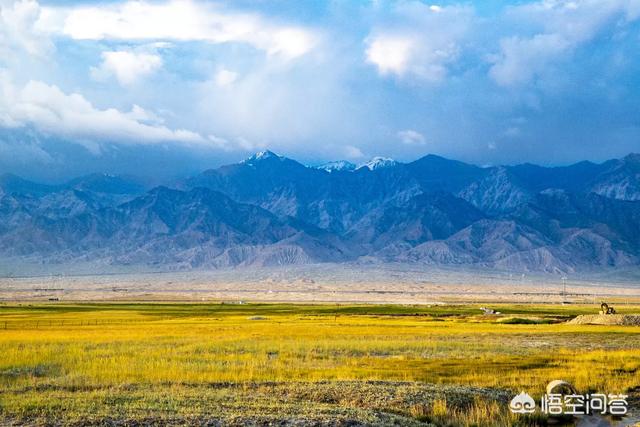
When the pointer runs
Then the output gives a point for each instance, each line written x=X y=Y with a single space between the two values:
x=312 y=346
x=323 y=283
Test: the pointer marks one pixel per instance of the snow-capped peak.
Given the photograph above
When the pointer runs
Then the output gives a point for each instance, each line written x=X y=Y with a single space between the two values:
x=339 y=165
x=378 y=163
x=262 y=155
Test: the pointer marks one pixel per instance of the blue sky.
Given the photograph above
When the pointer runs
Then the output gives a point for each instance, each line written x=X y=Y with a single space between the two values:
x=170 y=88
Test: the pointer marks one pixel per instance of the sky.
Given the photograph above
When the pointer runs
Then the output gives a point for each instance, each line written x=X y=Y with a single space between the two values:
x=170 y=88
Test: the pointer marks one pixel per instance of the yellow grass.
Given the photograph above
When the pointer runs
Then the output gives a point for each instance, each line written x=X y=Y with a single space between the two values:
x=148 y=358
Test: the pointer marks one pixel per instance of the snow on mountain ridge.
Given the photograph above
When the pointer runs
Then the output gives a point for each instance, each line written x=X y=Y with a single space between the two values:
x=378 y=163
x=262 y=155
x=338 y=165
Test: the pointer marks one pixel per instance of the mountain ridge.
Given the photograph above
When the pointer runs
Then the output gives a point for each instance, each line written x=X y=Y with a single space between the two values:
x=272 y=210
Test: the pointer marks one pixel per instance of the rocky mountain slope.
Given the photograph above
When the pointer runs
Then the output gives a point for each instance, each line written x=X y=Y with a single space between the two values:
x=271 y=210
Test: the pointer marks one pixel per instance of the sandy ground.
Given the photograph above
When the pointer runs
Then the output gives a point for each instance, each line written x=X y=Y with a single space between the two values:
x=318 y=284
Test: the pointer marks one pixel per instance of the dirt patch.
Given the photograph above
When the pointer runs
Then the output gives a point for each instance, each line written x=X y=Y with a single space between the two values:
x=607 y=319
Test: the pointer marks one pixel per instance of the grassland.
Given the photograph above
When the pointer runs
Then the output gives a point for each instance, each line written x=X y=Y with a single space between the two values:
x=226 y=364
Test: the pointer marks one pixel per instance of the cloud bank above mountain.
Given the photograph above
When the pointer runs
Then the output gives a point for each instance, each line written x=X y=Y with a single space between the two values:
x=125 y=85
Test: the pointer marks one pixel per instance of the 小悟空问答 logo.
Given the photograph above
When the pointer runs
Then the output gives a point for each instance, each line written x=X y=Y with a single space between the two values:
x=522 y=404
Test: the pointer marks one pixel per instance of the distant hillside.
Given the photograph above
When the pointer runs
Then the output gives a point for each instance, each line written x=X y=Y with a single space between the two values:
x=271 y=210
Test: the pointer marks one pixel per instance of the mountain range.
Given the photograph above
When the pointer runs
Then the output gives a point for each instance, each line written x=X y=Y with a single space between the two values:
x=271 y=210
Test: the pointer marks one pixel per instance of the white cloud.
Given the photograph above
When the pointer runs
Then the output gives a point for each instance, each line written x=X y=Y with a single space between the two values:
x=225 y=77
x=561 y=27
x=423 y=42
x=183 y=20
x=50 y=110
x=411 y=137
x=390 y=53
x=19 y=28
x=523 y=58
x=226 y=144
x=351 y=152
x=222 y=143
x=283 y=107
x=127 y=67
